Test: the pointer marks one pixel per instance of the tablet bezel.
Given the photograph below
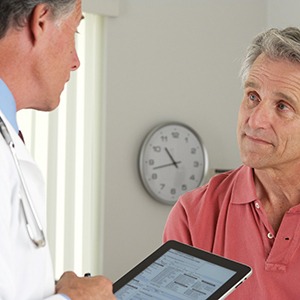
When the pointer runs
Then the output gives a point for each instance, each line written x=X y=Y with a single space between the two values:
x=242 y=271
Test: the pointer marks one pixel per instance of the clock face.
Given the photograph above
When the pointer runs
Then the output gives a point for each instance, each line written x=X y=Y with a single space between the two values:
x=172 y=161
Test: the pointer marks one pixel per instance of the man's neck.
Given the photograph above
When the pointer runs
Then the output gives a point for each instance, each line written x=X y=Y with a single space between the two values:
x=278 y=191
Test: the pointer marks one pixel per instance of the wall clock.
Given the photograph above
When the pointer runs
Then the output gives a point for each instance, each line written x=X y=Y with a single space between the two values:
x=172 y=161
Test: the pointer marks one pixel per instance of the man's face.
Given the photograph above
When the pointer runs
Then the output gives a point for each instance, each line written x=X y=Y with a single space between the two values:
x=269 y=118
x=57 y=58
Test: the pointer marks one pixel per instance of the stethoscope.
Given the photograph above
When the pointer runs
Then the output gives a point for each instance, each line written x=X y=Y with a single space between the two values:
x=40 y=241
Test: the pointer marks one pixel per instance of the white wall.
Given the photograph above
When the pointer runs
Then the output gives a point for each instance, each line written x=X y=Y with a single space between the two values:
x=283 y=13
x=169 y=60
x=166 y=60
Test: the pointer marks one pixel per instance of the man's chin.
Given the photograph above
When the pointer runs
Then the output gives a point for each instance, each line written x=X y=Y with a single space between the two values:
x=52 y=105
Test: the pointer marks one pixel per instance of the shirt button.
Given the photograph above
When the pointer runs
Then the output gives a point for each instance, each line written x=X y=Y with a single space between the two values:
x=270 y=235
x=257 y=205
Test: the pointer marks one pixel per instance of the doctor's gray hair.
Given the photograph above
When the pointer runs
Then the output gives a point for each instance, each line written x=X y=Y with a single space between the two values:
x=275 y=44
x=16 y=13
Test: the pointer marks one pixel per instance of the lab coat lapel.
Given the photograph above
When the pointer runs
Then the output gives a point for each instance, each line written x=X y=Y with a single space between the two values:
x=21 y=150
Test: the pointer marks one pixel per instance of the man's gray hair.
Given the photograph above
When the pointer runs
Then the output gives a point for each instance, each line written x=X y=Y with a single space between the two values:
x=16 y=13
x=275 y=44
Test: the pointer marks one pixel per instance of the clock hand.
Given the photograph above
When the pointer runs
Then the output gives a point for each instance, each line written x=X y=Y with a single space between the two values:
x=167 y=165
x=172 y=159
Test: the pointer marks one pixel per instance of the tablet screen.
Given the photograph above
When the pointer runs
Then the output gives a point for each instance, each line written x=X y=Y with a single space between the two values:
x=176 y=275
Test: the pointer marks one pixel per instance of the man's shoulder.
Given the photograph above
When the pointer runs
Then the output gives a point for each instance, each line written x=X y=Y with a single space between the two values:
x=218 y=188
x=228 y=177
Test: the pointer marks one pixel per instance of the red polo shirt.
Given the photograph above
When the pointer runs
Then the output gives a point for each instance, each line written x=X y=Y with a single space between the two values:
x=226 y=217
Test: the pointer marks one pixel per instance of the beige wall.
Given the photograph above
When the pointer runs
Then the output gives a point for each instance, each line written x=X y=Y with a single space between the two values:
x=166 y=60
x=283 y=13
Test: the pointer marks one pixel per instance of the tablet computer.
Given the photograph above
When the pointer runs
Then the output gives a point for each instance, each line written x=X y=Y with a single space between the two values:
x=178 y=271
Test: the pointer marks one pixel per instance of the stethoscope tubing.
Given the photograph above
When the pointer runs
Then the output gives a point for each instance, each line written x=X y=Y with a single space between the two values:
x=38 y=242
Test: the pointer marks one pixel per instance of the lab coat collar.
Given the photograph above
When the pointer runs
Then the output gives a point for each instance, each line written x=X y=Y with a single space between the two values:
x=21 y=150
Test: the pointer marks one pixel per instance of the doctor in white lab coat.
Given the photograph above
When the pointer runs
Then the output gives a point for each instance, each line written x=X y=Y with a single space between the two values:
x=37 y=54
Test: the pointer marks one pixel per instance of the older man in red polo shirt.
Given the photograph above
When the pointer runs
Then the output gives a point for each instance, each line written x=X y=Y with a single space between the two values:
x=252 y=214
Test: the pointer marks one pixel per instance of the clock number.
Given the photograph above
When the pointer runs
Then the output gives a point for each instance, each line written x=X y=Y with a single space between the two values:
x=164 y=138
x=196 y=164
x=184 y=187
x=193 y=150
x=157 y=148
x=154 y=176
x=162 y=186
x=173 y=191
x=175 y=135
x=186 y=139
x=192 y=177
x=151 y=162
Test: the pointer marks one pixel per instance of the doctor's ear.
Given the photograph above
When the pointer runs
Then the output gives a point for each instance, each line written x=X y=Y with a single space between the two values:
x=40 y=17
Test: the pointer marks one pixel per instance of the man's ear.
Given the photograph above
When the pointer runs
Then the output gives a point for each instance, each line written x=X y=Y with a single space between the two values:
x=40 y=16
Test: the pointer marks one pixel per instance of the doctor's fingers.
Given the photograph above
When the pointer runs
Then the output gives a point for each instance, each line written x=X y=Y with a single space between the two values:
x=85 y=288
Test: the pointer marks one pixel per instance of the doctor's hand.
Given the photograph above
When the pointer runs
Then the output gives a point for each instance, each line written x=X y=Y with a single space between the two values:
x=84 y=288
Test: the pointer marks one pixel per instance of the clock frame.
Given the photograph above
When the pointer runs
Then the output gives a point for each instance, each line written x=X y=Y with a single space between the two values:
x=172 y=161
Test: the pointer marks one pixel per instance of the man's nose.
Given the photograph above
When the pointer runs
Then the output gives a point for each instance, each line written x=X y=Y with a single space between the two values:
x=260 y=116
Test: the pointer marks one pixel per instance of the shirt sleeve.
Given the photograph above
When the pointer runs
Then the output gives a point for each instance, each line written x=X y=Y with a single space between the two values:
x=177 y=227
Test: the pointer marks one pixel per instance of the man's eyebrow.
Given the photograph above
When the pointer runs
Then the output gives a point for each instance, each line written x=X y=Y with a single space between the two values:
x=283 y=96
x=251 y=84
x=286 y=97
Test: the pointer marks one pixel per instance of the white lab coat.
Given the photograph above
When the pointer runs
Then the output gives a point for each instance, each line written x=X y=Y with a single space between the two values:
x=25 y=271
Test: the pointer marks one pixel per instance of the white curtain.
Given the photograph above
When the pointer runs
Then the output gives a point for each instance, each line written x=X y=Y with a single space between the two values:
x=66 y=145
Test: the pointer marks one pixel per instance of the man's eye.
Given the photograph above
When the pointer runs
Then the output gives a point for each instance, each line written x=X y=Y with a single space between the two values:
x=282 y=106
x=252 y=97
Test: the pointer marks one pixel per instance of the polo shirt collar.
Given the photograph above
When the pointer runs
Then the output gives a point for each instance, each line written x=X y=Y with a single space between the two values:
x=244 y=188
